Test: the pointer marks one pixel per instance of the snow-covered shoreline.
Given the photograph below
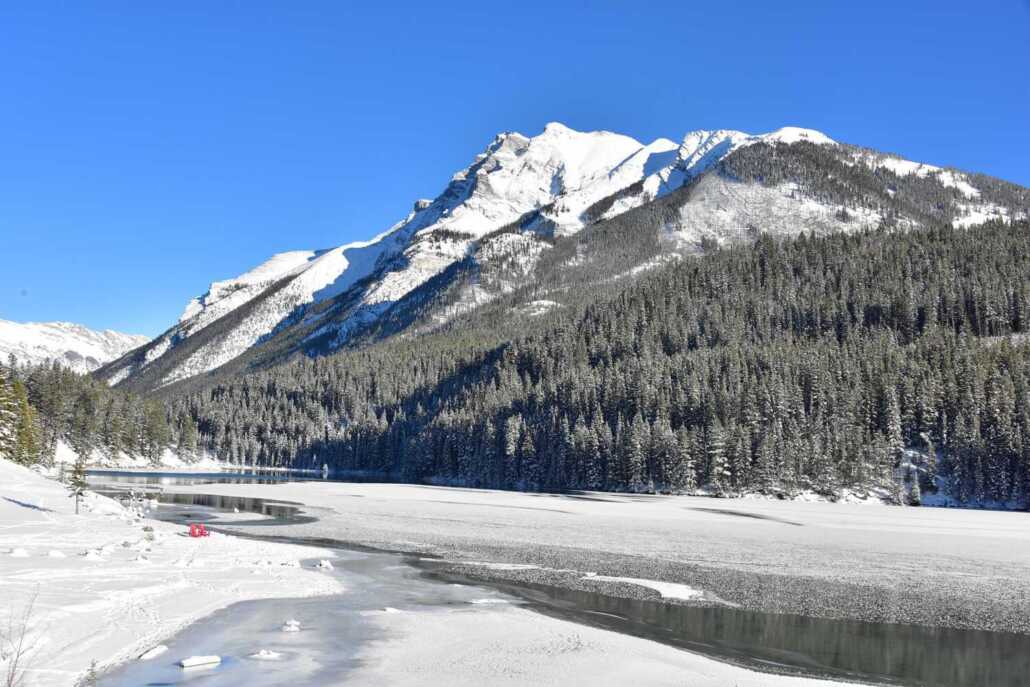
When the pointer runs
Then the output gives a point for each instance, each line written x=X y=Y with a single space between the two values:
x=65 y=456
x=104 y=588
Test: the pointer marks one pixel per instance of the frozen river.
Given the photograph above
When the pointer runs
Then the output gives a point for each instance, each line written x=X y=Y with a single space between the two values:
x=332 y=629
x=338 y=631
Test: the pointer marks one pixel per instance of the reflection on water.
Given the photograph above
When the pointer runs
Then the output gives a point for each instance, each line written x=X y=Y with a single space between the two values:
x=874 y=652
x=137 y=478
x=205 y=508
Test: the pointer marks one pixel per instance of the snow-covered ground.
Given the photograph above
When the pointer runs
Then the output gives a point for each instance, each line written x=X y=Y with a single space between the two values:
x=101 y=591
x=65 y=456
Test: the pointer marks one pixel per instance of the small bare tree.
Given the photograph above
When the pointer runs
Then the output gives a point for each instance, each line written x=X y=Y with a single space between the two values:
x=16 y=645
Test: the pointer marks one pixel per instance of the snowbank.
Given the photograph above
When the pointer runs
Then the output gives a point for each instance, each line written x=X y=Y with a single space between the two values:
x=104 y=588
x=169 y=460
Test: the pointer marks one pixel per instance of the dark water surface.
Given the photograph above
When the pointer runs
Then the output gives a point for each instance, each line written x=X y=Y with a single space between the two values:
x=879 y=653
x=154 y=478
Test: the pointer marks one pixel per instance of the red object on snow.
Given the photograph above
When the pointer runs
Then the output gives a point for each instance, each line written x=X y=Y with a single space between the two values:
x=198 y=530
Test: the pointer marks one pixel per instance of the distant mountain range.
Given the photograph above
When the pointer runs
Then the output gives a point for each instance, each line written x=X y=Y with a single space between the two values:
x=73 y=345
x=533 y=219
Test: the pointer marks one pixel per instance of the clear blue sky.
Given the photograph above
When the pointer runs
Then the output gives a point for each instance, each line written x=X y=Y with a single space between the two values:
x=147 y=149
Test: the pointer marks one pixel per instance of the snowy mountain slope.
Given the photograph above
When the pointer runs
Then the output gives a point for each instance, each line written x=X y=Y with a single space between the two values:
x=73 y=345
x=699 y=151
x=258 y=301
x=515 y=175
x=485 y=234
x=225 y=296
x=764 y=184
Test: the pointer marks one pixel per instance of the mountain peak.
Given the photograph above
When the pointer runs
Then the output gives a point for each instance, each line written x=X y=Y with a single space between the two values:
x=557 y=128
x=794 y=134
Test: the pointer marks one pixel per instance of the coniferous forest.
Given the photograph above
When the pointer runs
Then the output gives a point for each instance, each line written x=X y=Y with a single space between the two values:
x=888 y=359
x=43 y=405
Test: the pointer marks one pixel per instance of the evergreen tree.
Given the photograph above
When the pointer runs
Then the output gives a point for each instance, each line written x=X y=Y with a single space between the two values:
x=77 y=480
x=27 y=449
x=8 y=418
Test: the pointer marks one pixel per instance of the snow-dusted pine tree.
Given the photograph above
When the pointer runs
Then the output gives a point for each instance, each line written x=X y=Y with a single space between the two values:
x=77 y=480
x=8 y=418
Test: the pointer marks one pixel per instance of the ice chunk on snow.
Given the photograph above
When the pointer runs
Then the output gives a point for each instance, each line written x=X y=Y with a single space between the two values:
x=19 y=553
x=324 y=564
x=153 y=652
x=93 y=555
x=291 y=625
x=200 y=661
x=54 y=553
x=266 y=655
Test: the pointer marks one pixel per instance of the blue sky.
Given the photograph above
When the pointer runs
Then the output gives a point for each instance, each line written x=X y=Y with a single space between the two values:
x=147 y=149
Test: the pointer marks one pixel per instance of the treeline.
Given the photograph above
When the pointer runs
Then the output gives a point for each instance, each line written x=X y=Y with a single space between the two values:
x=811 y=363
x=42 y=405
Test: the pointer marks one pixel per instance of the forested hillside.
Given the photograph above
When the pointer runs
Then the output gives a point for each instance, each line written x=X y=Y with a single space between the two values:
x=44 y=404
x=778 y=366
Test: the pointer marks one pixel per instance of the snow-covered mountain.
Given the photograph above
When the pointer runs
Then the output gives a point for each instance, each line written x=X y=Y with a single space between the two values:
x=499 y=215
x=80 y=348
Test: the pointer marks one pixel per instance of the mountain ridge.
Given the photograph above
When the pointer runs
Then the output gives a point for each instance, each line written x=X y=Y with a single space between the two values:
x=508 y=207
x=73 y=345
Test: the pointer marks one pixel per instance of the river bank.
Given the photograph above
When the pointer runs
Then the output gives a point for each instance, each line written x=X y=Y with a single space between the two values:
x=106 y=585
